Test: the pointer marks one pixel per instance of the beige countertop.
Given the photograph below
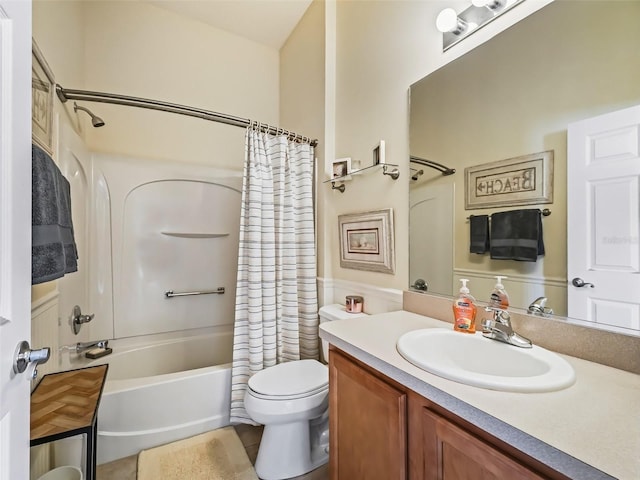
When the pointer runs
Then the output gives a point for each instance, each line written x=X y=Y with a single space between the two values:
x=590 y=430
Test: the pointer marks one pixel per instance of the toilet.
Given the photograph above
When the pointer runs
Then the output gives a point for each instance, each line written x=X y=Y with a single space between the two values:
x=291 y=400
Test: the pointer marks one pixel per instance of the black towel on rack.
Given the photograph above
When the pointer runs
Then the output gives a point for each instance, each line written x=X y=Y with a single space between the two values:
x=479 y=233
x=517 y=235
x=53 y=247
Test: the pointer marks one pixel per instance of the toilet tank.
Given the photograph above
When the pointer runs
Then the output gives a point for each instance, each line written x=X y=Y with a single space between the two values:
x=328 y=313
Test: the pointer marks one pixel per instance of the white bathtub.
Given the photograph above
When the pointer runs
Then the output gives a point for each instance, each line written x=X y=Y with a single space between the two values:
x=163 y=391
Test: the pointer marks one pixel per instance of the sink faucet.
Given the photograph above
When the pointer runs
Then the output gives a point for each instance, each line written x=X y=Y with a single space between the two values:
x=537 y=307
x=84 y=346
x=499 y=328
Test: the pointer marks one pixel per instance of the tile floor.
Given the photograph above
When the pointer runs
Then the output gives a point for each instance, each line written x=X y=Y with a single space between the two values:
x=125 y=468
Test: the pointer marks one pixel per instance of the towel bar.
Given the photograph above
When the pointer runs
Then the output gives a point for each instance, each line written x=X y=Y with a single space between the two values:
x=545 y=213
x=171 y=294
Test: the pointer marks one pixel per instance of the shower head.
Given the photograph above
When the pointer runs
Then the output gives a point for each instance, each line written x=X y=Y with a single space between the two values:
x=417 y=174
x=95 y=120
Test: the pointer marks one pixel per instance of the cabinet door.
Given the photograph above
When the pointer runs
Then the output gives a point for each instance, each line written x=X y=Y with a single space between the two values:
x=451 y=453
x=367 y=424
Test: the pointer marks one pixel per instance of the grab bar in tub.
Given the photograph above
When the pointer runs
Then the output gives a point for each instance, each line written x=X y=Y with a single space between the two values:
x=170 y=293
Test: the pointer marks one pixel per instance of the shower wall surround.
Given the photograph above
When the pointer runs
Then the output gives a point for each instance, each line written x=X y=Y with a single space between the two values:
x=158 y=227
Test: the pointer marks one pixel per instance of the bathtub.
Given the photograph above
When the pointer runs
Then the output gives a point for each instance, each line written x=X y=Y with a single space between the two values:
x=163 y=390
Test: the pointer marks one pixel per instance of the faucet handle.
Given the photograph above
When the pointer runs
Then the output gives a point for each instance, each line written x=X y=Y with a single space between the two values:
x=77 y=319
x=487 y=324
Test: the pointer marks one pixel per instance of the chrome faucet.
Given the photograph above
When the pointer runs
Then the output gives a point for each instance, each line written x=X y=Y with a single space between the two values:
x=84 y=346
x=499 y=328
x=537 y=307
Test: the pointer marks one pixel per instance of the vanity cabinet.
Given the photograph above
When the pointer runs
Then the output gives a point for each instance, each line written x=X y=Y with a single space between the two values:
x=382 y=430
x=443 y=450
x=367 y=424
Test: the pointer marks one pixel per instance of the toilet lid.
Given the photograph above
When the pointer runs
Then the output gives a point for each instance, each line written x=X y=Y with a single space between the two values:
x=291 y=379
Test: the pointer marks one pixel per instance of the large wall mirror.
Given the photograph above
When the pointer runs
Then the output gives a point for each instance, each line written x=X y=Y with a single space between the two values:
x=513 y=96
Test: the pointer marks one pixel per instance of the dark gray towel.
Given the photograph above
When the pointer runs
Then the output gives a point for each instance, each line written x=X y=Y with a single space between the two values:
x=479 y=233
x=517 y=235
x=53 y=247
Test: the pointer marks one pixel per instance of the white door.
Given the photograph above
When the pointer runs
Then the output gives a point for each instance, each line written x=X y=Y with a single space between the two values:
x=431 y=248
x=603 y=197
x=15 y=232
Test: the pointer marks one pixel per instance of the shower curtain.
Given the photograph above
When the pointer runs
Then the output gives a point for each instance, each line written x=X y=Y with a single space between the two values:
x=276 y=314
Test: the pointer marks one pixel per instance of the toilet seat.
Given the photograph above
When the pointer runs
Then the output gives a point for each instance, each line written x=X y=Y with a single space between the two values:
x=290 y=380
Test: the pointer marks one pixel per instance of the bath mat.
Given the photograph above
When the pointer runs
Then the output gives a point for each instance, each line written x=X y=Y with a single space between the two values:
x=215 y=455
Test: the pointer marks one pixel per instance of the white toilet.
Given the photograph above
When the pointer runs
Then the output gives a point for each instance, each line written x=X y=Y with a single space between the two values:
x=291 y=400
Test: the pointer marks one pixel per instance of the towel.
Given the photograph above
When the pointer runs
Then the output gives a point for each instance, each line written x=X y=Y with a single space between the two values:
x=53 y=248
x=517 y=235
x=479 y=233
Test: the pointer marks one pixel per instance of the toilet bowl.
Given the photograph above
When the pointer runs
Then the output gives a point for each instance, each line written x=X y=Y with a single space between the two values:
x=291 y=400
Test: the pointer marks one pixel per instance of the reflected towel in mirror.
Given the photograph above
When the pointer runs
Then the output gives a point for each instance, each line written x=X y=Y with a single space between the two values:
x=517 y=235
x=479 y=233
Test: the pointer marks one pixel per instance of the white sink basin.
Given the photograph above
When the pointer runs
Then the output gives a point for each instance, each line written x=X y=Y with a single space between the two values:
x=481 y=362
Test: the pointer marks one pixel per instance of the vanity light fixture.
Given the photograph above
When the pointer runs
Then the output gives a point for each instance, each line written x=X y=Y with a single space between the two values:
x=456 y=26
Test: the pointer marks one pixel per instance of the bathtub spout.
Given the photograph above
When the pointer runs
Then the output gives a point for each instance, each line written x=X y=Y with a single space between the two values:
x=84 y=346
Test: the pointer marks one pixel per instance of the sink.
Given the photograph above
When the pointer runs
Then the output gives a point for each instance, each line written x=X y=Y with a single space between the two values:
x=481 y=362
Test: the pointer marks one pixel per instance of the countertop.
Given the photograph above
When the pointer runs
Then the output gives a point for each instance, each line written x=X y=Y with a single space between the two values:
x=590 y=430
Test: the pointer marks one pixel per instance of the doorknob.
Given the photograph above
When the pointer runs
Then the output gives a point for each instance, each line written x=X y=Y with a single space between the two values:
x=578 y=282
x=24 y=356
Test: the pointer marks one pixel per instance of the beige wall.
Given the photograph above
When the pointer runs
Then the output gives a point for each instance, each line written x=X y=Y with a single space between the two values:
x=302 y=87
x=138 y=49
x=382 y=47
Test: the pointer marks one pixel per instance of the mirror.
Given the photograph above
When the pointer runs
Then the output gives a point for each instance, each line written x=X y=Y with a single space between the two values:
x=513 y=96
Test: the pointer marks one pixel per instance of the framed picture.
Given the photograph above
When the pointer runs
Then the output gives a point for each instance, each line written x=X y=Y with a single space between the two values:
x=340 y=168
x=524 y=180
x=366 y=241
x=42 y=87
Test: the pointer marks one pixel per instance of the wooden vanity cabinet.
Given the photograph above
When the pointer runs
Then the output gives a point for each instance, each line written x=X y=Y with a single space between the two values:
x=367 y=424
x=440 y=449
x=382 y=430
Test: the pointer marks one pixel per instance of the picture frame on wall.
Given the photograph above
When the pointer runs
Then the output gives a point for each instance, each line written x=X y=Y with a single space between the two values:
x=341 y=168
x=367 y=241
x=524 y=180
x=42 y=89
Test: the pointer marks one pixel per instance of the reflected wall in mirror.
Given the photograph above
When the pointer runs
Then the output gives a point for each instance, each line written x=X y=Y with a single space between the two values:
x=515 y=95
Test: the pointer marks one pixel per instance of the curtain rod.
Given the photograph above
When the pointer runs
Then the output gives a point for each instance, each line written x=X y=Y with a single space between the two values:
x=434 y=165
x=65 y=94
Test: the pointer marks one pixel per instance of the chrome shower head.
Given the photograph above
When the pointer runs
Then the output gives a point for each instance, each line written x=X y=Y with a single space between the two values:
x=95 y=120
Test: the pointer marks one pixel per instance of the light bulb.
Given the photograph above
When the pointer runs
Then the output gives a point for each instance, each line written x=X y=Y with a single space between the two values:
x=490 y=4
x=448 y=21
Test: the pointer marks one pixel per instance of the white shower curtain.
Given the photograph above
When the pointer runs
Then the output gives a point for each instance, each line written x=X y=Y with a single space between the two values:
x=276 y=317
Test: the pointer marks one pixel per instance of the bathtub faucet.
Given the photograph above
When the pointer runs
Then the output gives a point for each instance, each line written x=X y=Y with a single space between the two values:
x=84 y=346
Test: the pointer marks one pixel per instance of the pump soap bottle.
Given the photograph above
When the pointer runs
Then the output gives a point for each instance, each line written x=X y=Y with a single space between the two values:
x=464 y=310
x=499 y=298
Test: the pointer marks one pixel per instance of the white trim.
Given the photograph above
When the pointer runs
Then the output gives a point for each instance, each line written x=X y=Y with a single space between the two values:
x=515 y=277
x=45 y=302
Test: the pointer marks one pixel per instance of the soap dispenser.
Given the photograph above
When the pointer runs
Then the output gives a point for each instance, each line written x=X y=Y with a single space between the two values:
x=464 y=310
x=499 y=298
